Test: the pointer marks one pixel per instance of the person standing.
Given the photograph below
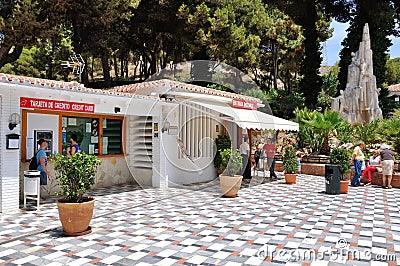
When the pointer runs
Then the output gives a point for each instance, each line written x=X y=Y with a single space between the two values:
x=357 y=158
x=270 y=149
x=258 y=154
x=244 y=150
x=387 y=157
x=374 y=162
x=41 y=159
x=74 y=146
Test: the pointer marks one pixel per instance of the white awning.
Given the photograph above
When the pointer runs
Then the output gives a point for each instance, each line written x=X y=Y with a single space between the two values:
x=252 y=119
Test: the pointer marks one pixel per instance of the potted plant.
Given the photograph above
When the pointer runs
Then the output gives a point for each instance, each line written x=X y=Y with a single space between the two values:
x=231 y=165
x=222 y=142
x=76 y=175
x=340 y=156
x=290 y=164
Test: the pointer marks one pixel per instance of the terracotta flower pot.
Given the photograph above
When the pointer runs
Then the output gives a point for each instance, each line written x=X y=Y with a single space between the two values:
x=75 y=217
x=230 y=185
x=290 y=178
x=344 y=186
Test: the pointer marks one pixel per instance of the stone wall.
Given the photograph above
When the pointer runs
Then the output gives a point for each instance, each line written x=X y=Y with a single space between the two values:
x=313 y=169
x=376 y=179
x=112 y=171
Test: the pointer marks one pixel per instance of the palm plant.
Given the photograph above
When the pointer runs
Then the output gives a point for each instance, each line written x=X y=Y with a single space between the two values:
x=306 y=137
x=326 y=124
x=368 y=133
x=390 y=133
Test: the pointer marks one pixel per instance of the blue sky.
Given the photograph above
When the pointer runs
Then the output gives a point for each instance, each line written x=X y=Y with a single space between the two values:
x=334 y=46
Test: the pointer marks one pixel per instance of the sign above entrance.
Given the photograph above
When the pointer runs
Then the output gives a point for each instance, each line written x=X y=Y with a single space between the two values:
x=55 y=105
x=242 y=104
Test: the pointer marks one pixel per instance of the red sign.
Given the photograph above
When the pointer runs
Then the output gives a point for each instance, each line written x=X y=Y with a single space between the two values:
x=56 y=105
x=242 y=104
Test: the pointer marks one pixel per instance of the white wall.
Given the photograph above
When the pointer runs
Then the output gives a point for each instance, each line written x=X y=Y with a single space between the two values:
x=9 y=159
x=179 y=169
x=10 y=93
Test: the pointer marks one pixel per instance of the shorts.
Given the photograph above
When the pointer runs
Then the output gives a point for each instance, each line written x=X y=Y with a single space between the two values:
x=43 y=178
x=387 y=167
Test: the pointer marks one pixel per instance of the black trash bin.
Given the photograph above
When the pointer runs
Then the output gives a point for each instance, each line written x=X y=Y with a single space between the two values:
x=332 y=179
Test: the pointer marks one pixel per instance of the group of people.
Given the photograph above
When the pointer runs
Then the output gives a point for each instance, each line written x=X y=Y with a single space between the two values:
x=382 y=160
x=263 y=151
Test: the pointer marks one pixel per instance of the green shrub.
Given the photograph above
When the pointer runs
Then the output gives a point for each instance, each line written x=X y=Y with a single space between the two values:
x=340 y=156
x=289 y=160
x=231 y=162
x=222 y=142
x=75 y=175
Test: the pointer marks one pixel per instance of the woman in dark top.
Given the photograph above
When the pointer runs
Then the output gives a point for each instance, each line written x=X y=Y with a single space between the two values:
x=387 y=157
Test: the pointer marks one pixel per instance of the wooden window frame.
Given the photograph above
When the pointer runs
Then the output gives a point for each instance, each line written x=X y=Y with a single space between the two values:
x=60 y=115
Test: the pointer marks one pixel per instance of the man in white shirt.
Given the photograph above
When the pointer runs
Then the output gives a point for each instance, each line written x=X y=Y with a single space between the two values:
x=244 y=150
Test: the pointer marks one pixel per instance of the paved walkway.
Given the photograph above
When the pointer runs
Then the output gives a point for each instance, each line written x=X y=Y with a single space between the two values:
x=267 y=224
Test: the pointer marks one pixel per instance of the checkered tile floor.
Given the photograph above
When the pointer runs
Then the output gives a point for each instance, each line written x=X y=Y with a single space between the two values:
x=268 y=224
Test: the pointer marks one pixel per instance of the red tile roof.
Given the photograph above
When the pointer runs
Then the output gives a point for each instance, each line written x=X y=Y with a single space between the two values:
x=394 y=88
x=61 y=85
x=165 y=85
x=142 y=90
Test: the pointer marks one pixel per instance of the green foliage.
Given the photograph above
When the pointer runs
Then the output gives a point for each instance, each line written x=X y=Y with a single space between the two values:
x=340 y=156
x=306 y=137
x=241 y=33
x=389 y=132
x=25 y=65
x=289 y=160
x=222 y=142
x=392 y=75
x=231 y=161
x=368 y=133
x=345 y=133
x=328 y=90
x=314 y=17
x=315 y=125
x=76 y=175
x=284 y=104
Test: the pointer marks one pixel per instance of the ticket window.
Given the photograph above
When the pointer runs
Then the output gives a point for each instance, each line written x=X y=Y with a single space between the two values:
x=86 y=130
x=89 y=134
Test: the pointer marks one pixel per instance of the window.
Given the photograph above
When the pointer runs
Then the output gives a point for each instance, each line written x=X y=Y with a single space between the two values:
x=95 y=135
x=112 y=136
x=86 y=130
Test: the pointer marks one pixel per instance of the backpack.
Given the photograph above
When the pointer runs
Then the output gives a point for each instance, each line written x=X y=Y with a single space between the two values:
x=33 y=165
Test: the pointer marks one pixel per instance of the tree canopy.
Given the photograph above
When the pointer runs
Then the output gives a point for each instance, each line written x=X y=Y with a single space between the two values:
x=276 y=42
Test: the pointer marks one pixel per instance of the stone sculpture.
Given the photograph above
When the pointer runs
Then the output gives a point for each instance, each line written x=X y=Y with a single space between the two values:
x=359 y=101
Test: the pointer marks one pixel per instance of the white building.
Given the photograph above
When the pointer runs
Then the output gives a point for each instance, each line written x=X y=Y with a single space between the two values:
x=158 y=133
